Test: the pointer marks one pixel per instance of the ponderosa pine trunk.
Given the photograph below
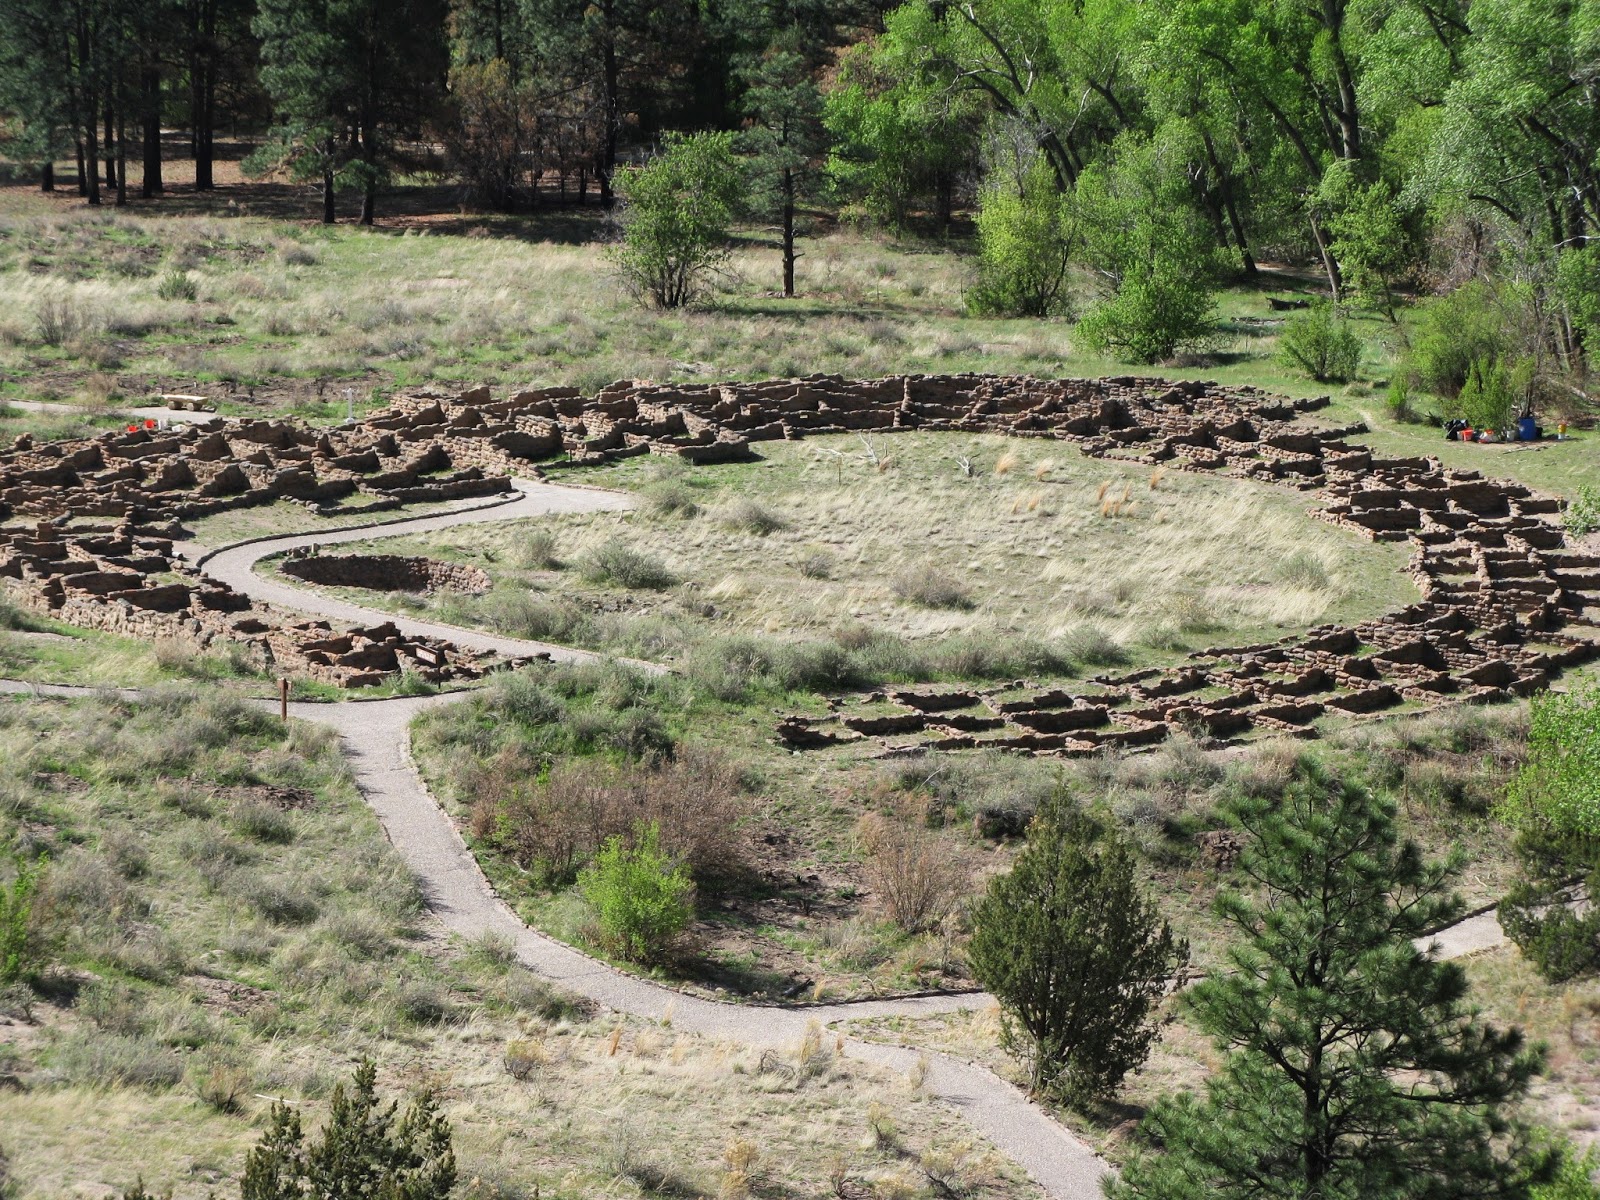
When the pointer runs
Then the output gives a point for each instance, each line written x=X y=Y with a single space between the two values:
x=122 y=161
x=151 y=183
x=789 y=254
x=47 y=177
x=110 y=147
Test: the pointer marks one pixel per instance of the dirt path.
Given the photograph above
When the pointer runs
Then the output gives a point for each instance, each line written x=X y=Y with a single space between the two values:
x=139 y=412
x=376 y=737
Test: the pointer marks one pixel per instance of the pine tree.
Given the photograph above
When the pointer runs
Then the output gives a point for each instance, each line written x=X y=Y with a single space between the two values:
x=786 y=137
x=1355 y=1066
x=1076 y=955
x=344 y=76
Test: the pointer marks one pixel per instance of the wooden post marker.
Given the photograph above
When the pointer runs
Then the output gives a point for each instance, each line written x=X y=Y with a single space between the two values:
x=283 y=699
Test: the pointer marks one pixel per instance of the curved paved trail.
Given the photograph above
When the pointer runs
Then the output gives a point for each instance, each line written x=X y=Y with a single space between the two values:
x=376 y=737
x=235 y=565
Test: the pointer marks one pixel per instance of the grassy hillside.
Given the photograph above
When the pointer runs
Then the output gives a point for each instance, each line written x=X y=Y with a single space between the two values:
x=226 y=925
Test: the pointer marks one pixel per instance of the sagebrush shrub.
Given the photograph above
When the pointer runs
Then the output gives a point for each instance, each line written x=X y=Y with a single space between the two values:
x=620 y=564
x=552 y=822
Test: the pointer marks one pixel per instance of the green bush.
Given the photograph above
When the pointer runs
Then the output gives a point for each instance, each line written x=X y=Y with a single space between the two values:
x=622 y=565
x=1492 y=395
x=1558 y=787
x=677 y=209
x=176 y=285
x=1161 y=308
x=642 y=899
x=1398 y=401
x=1322 y=343
x=21 y=953
x=1026 y=238
x=1583 y=514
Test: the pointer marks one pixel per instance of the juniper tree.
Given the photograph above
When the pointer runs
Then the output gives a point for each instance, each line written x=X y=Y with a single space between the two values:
x=1355 y=1066
x=1075 y=953
x=362 y=1151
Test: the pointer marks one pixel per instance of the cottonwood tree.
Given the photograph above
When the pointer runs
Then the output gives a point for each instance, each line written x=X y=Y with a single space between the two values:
x=679 y=206
x=1355 y=1066
x=1554 y=802
x=1075 y=953
x=366 y=1149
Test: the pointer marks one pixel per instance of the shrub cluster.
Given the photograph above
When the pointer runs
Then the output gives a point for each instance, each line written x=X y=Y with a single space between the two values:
x=1322 y=343
x=551 y=822
x=619 y=564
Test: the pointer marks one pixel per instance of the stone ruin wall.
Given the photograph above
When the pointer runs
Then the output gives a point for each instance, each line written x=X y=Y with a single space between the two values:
x=1504 y=603
x=387 y=573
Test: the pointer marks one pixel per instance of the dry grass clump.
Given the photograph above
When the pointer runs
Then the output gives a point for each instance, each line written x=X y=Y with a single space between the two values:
x=537 y=551
x=1007 y=463
x=928 y=585
x=1114 y=505
x=1093 y=645
x=671 y=497
x=817 y=564
x=751 y=516
x=552 y=822
x=1305 y=570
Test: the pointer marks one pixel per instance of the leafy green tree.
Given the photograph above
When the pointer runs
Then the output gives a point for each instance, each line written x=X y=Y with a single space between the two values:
x=1554 y=802
x=679 y=207
x=1026 y=240
x=1075 y=953
x=642 y=898
x=1147 y=243
x=1370 y=241
x=1355 y=1066
x=785 y=138
x=900 y=141
x=363 y=1151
